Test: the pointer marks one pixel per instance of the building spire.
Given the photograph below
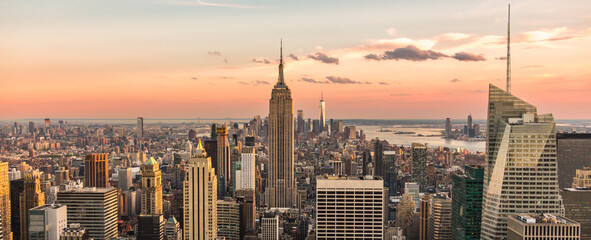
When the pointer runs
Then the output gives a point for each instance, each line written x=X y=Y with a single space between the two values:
x=509 y=50
x=280 y=80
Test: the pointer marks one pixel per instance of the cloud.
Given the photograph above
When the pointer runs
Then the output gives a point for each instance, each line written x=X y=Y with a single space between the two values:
x=384 y=83
x=455 y=80
x=261 y=60
x=225 y=60
x=468 y=57
x=311 y=80
x=391 y=31
x=319 y=56
x=501 y=58
x=341 y=80
x=254 y=83
x=244 y=83
x=194 y=78
x=294 y=57
x=410 y=52
x=214 y=53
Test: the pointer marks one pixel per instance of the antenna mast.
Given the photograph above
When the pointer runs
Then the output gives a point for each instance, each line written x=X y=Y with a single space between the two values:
x=509 y=51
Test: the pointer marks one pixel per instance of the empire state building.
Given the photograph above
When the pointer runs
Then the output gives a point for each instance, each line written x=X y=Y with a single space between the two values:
x=281 y=187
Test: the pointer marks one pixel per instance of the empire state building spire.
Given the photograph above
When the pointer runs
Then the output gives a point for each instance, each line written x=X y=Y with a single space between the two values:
x=281 y=80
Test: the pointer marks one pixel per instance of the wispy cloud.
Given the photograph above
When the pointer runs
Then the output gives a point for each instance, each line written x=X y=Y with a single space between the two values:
x=384 y=83
x=413 y=53
x=455 y=80
x=261 y=60
x=341 y=80
x=254 y=83
x=294 y=57
x=322 y=57
x=311 y=80
x=468 y=57
x=214 y=53
x=194 y=78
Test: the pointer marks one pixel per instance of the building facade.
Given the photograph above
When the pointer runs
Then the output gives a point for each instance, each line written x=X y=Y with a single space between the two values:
x=96 y=170
x=541 y=227
x=467 y=203
x=582 y=178
x=439 y=220
x=151 y=188
x=577 y=207
x=572 y=153
x=5 y=202
x=47 y=222
x=349 y=207
x=31 y=197
x=228 y=219
x=419 y=165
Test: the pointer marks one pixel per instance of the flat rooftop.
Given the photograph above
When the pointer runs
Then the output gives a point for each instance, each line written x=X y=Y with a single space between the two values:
x=542 y=218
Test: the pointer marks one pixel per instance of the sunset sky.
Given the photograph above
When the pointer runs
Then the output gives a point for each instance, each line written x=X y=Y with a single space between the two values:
x=214 y=59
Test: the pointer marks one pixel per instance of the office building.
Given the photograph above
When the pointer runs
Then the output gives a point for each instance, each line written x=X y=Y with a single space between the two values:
x=74 y=232
x=413 y=189
x=140 y=128
x=223 y=168
x=520 y=174
x=424 y=217
x=270 y=227
x=577 y=207
x=228 y=219
x=350 y=132
x=248 y=209
x=47 y=222
x=151 y=188
x=5 y=210
x=17 y=187
x=31 y=197
x=96 y=170
x=378 y=153
x=301 y=123
x=541 y=227
x=322 y=118
x=350 y=207
x=125 y=178
x=419 y=165
x=404 y=213
x=200 y=198
x=95 y=209
x=439 y=226
x=62 y=175
x=573 y=151
x=172 y=230
x=281 y=189
x=248 y=161
x=466 y=195
x=582 y=178
x=448 y=128
x=150 y=227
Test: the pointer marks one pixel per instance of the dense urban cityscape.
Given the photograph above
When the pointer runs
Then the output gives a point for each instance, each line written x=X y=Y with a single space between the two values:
x=518 y=174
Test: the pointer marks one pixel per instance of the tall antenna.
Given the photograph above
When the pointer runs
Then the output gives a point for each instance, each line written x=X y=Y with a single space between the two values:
x=509 y=51
x=281 y=50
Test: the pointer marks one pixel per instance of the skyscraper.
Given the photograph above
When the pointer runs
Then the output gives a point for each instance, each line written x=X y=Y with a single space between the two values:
x=573 y=152
x=140 y=128
x=17 y=188
x=520 y=174
x=200 y=198
x=228 y=214
x=582 y=178
x=223 y=168
x=31 y=197
x=439 y=226
x=577 y=206
x=301 y=124
x=378 y=158
x=467 y=203
x=172 y=230
x=339 y=199
x=94 y=208
x=281 y=187
x=249 y=215
x=96 y=170
x=125 y=178
x=322 y=114
x=419 y=165
x=248 y=160
x=4 y=202
x=542 y=226
x=151 y=188
x=448 y=128
x=270 y=228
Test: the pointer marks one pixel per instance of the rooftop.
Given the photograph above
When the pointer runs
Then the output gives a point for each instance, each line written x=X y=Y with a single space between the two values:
x=543 y=218
x=342 y=177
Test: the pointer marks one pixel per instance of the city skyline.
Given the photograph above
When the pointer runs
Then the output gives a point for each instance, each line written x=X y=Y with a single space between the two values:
x=374 y=64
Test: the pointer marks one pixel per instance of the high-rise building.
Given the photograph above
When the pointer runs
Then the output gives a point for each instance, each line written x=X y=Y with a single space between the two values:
x=439 y=218
x=404 y=212
x=270 y=227
x=47 y=123
x=247 y=165
x=546 y=226
x=340 y=198
x=322 y=114
x=47 y=222
x=577 y=206
x=582 y=178
x=419 y=165
x=413 y=189
x=223 y=168
x=520 y=173
x=200 y=198
x=350 y=132
x=301 y=123
x=151 y=188
x=378 y=154
x=5 y=202
x=17 y=188
x=96 y=170
x=573 y=151
x=31 y=127
x=140 y=128
x=125 y=178
x=172 y=230
x=150 y=227
x=94 y=208
x=281 y=189
x=248 y=210
x=31 y=197
x=424 y=217
x=448 y=128
x=466 y=195
x=228 y=219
